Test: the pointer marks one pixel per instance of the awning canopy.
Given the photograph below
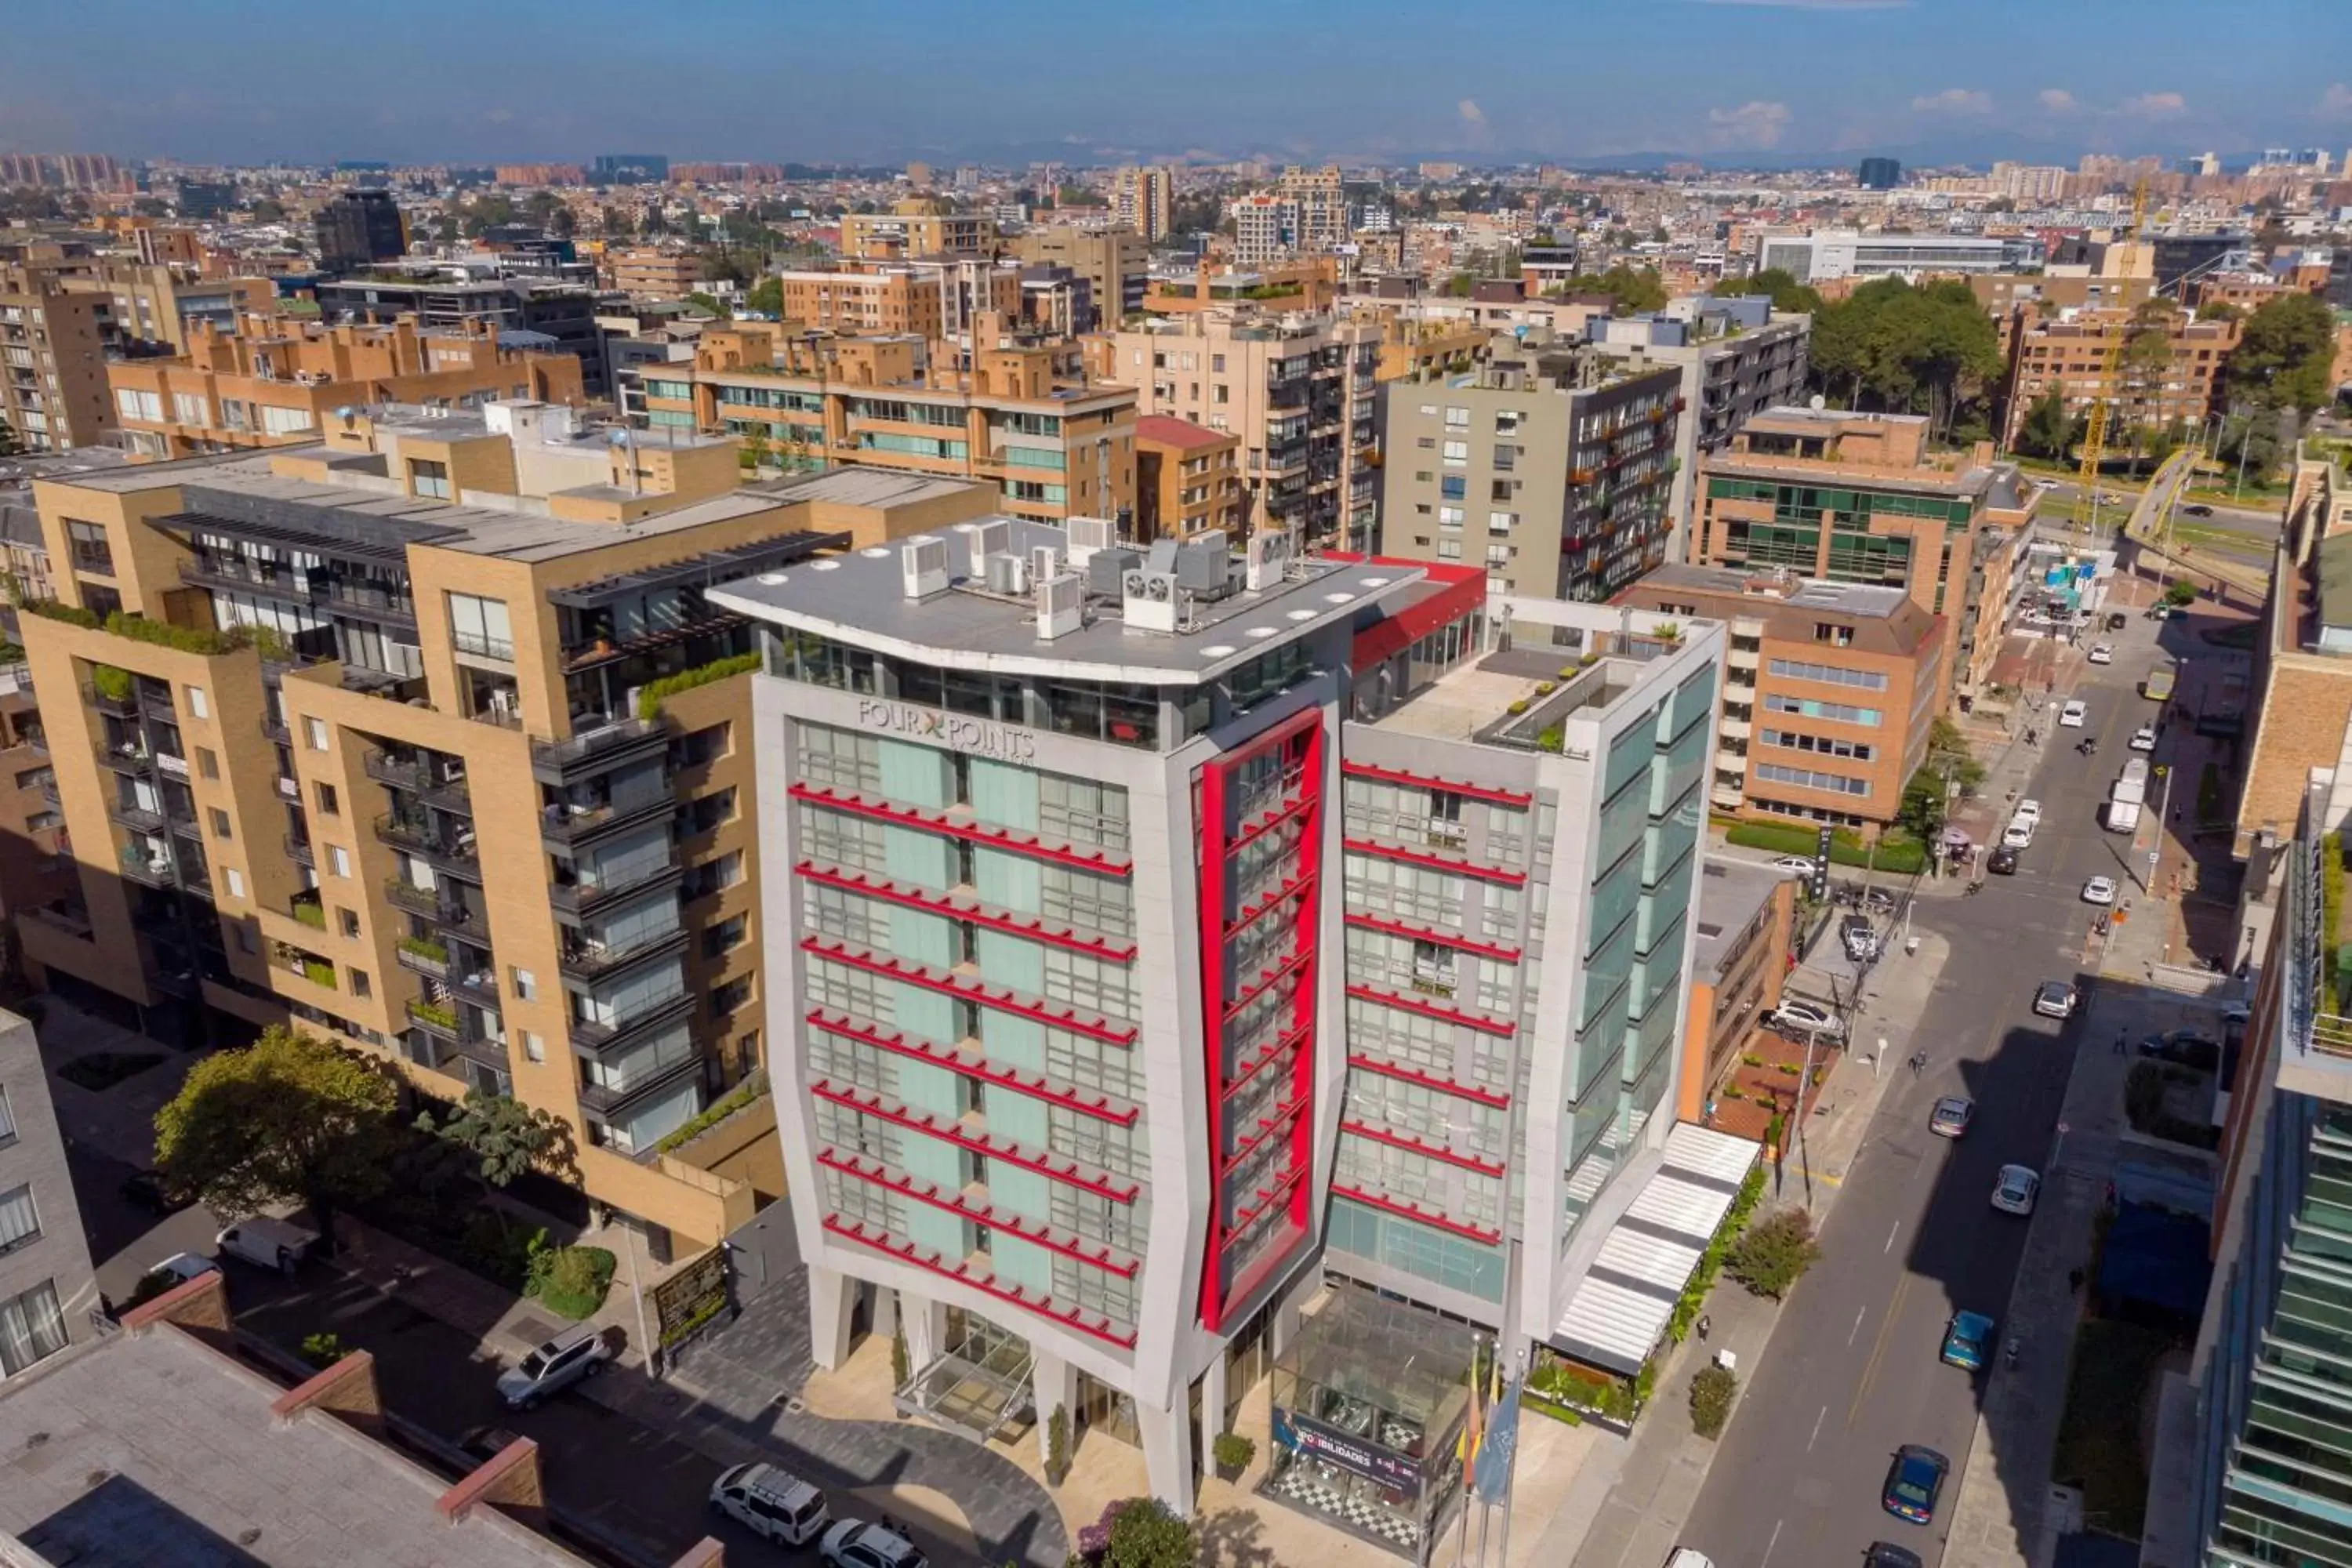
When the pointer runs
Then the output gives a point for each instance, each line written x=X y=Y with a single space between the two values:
x=1622 y=1305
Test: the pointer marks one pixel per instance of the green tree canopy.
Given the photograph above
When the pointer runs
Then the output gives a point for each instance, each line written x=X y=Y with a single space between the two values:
x=1925 y=350
x=509 y=1137
x=2048 y=430
x=766 y=296
x=1786 y=292
x=2283 y=357
x=8 y=444
x=290 y=1118
x=1630 y=288
x=1146 y=1535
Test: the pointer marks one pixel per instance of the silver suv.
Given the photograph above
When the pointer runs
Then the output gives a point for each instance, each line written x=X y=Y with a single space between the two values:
x=578 y=1352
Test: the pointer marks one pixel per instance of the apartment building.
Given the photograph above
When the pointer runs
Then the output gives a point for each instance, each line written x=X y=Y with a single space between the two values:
x=867 y=302
x=1187 y=480
x=971 y=287
x=564 y=313
x=154 y=307
x=1143 y=199
x=2301 y=680
x=1265 y=228
x=37 y=872
x=1858 y=498
x=653 y=272
x=48 y=1295
x=358 y=229
x=917 y=226
x=1564 y=454
x=1829 y=694
x=2180 y=386
x=423 y=738
x=1007 y=762
x=1745 y=934
x=1737 y=357
x=53 y=392
x=1299 y=392
x=1320 y=200
x=279 y=380
x=1826 y=256
x=1057 y=444
x=1115 y=262
x=2268 y=1398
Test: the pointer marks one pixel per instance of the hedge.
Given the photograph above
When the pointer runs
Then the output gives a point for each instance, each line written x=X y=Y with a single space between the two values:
x=744 y=1093
x=652 y=694
x=1898 y=855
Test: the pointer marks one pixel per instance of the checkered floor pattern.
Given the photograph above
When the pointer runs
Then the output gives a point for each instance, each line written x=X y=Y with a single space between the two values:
x=1302 y=1486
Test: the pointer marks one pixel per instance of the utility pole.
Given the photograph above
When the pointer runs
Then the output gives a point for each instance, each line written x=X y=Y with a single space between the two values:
x=2163 y=815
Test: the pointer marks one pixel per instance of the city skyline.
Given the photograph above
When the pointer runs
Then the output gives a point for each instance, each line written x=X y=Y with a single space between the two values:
x=1766 y=82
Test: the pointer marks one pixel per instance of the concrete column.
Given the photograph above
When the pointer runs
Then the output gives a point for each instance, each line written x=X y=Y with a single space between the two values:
x=831 y=1293
x=925 y=1323
x=1053 y=1382
x=1213 y=1413
x=886 y=1311
x=1168 y=1456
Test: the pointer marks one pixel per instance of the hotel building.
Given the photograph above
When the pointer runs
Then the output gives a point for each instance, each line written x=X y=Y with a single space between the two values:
x=1162 y=925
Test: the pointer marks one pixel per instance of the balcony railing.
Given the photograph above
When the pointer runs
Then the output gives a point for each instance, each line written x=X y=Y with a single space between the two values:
x=481 y=646
x=126 y=758
x=582 y=961
x=607 y=746
x=435 y=847
x=139 y=819
x=600 y=1036
x=578 y=899
x=605 y=1098
x=566 y=825
x=434 y=1018
x=298 y=850
x=430 y=959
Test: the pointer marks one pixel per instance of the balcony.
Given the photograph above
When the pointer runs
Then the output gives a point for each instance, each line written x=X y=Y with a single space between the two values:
x=419 y=956
x=137 y=818
x=298 y=850
x=475 y=645
x=480 y=986
x=604 y=1099
x=564 y=826
x=597 y=1036
x=416 y=774
x=578 y=899
x=607 y=746
x=442 y=850
x=401 y=893
x=129 y=758
x=368 y=600
x=591 y=961
x=241 y=576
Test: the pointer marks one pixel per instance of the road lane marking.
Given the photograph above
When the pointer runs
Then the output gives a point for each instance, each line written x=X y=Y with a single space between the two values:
x=1859 y=1313
x=1817 y=1430
x=1772 y=1544
x=1891 y=1235
x=1877 y=1350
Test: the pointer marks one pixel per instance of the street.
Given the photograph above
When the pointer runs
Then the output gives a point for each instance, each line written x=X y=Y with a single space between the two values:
x=1853 y=1372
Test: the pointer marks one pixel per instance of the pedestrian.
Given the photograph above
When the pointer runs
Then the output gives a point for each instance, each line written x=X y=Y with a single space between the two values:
x=1705 y=1324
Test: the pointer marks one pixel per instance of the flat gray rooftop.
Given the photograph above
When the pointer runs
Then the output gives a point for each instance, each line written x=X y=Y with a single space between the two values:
x=859 y=599
x=1730 y=892
x=1870 y=599
x=148 y=1449
x=864 y=486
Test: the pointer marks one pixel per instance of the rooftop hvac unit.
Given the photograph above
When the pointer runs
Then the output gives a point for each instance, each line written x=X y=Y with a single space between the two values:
x=987 y=539
x=1106 y=569
x=1006 y=572
x=1061 y=604
x=923 y=567
x=1045 y=562
x=1151 y=601
x=1088 y=534
x=1268 y=559
x=1204 y=565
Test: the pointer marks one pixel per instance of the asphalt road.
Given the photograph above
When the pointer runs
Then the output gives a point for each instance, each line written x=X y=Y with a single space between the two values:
x=1852 y=1373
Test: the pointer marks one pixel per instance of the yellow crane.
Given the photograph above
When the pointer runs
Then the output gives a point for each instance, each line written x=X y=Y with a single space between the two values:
x=2095 y=432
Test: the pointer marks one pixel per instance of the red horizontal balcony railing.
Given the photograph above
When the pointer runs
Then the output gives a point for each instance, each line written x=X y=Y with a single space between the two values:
x=1004 y=999
x=1284 y=1045
x=1416 y=1211
x=1403 y=1074
x=982 y=1280
x=1256 y=909
x=1436 y=862
x=1267 y=979
x=1269 y=1125
x=977 y=832
x=1059 y=1167
x=1053 y=1238
x=1266 y=821
x=1268 y=1197
x=1407 y=1141
x=1431 y=781
x=953 y=907
x=1101 y=1107
x=1429 y=1007
x=1432 y=933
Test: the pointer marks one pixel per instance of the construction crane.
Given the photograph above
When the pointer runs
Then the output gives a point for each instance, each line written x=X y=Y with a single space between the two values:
x=2111 y=362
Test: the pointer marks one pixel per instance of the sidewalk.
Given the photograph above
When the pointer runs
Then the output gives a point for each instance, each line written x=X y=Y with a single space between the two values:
x=1627 y=1507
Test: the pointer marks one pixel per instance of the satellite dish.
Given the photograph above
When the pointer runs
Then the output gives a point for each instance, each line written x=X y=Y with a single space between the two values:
x=1816 y=403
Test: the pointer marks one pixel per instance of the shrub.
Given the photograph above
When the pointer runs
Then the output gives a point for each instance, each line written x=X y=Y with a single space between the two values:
x=652 y=694
x=1774 y=1254
x=2143 y=1095
x=1057 y=1441
x=185 y=639
x=1711 y=1392
x=899 y=1369
x=497 y=1249
x=312 y=915
x=423 y=947
x=572 y=1281
x=2180 y=591
x=323 y=1351
x=110 y=681
x=741 y=1095
x=71 y=615
x=1233 y=1451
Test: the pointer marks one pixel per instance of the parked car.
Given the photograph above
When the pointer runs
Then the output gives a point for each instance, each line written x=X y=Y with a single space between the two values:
x=578 y=1352
x=487 y=1442
x=2188 y=1048
x=2197 y=508
x=2117 y=620
x=2027 y=810
x=856 y=1544
x=2055 y=999
x=2103 y=653
x=155 y=1193
x=1685 y=1557
x=1795 y=865
x=775 y=1505
x=268 y=1243
x=2099 y=891
x=1799 y=1016
x=2144 y=737
x=2074 y=715
x=2002 y=862
x=1886 y=1555
x=1859 y=936
x=185 y=1266
x=1968 y=1341
x=2017 y=836
x=1951 y=1116
x=2015 y=1189
x=1914 y=1481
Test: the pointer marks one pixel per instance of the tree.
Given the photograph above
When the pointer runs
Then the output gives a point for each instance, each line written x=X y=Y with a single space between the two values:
x=1144 y=1533
x=1923 y=808
x=1711 y=1392
x=1949 y=749
x=766 y=297
x=9 y=446
x=290 y=1118
x=1774 y=1253
x=2284 y=354
x=615 y=222
x=2047 y=429
x=1889 y=345
x=2146 y=362
x=2220 y=310
x=509 y=1137
x=708 y=303
x=265 y=210
x=1786 y=292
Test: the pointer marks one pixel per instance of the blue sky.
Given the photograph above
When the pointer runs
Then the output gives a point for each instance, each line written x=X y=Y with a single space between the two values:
x=211 y=80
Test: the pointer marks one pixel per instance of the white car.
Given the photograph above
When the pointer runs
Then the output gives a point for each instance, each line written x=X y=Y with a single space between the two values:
x=268 y=1243
x=2027 y=810
x=2054 y=999
x=2103 y=653
x=2144 y=737
x=2099 y=891
x=578 y=1352
x=773 y=1504
x=2015 y=1191
x=2017 y=836
x=1799 y=1016
x=2074 y=716
x=1795 y=865
x=856 y=1543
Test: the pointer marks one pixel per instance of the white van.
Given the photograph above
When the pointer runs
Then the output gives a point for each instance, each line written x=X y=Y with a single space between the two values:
x=1685 y=1557
x=268 y=1243
x=771 y=1503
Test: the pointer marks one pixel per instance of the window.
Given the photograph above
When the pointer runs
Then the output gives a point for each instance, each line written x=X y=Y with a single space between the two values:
x=92 y=550
x=1425 y=443
x=704 y=745
x=480 y=626
x=220 y=823
x=19 y=1224
x=339 y=860
x=32 y=1328
x=199 y=706
x=1449 y=517
x=190 y=409
x=427 y=478
x=1452 y=486
x=360 y=984
x=1449 y=549
x=1506 y=455
x=1497 y=557
x=1833 y=633
x=1501 y=490
x=534 y=1050
x=314 y=734
x=525 y=984
x=1502 y=521
x=1830 y=674
x=1217 y=364
x=284 y=421
x=207 y=763
x=1457 y=419
x=235 y=880
x=724 y=937
x=348 y=922
x=1455 y=454
x=1808 y=778
x=330 y=803
x=132 y=403
x=1506 y=421
x=727 y=998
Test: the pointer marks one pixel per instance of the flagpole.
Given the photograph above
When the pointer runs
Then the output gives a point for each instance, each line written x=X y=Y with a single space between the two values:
x=1494 y=1402
x=1511 y=1479
x=1467 y=1450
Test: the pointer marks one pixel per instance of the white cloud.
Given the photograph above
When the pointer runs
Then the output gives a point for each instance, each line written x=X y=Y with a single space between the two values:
x=1470 y=111
x=2153 y=105
x=2336 y=103
x=2057 y=100
x=1752 y=124
x=1955 y=100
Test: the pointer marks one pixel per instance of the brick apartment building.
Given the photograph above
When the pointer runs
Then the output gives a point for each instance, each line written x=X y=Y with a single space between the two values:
x=2070 y=353
x=1187 y=479
x=53 y=392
